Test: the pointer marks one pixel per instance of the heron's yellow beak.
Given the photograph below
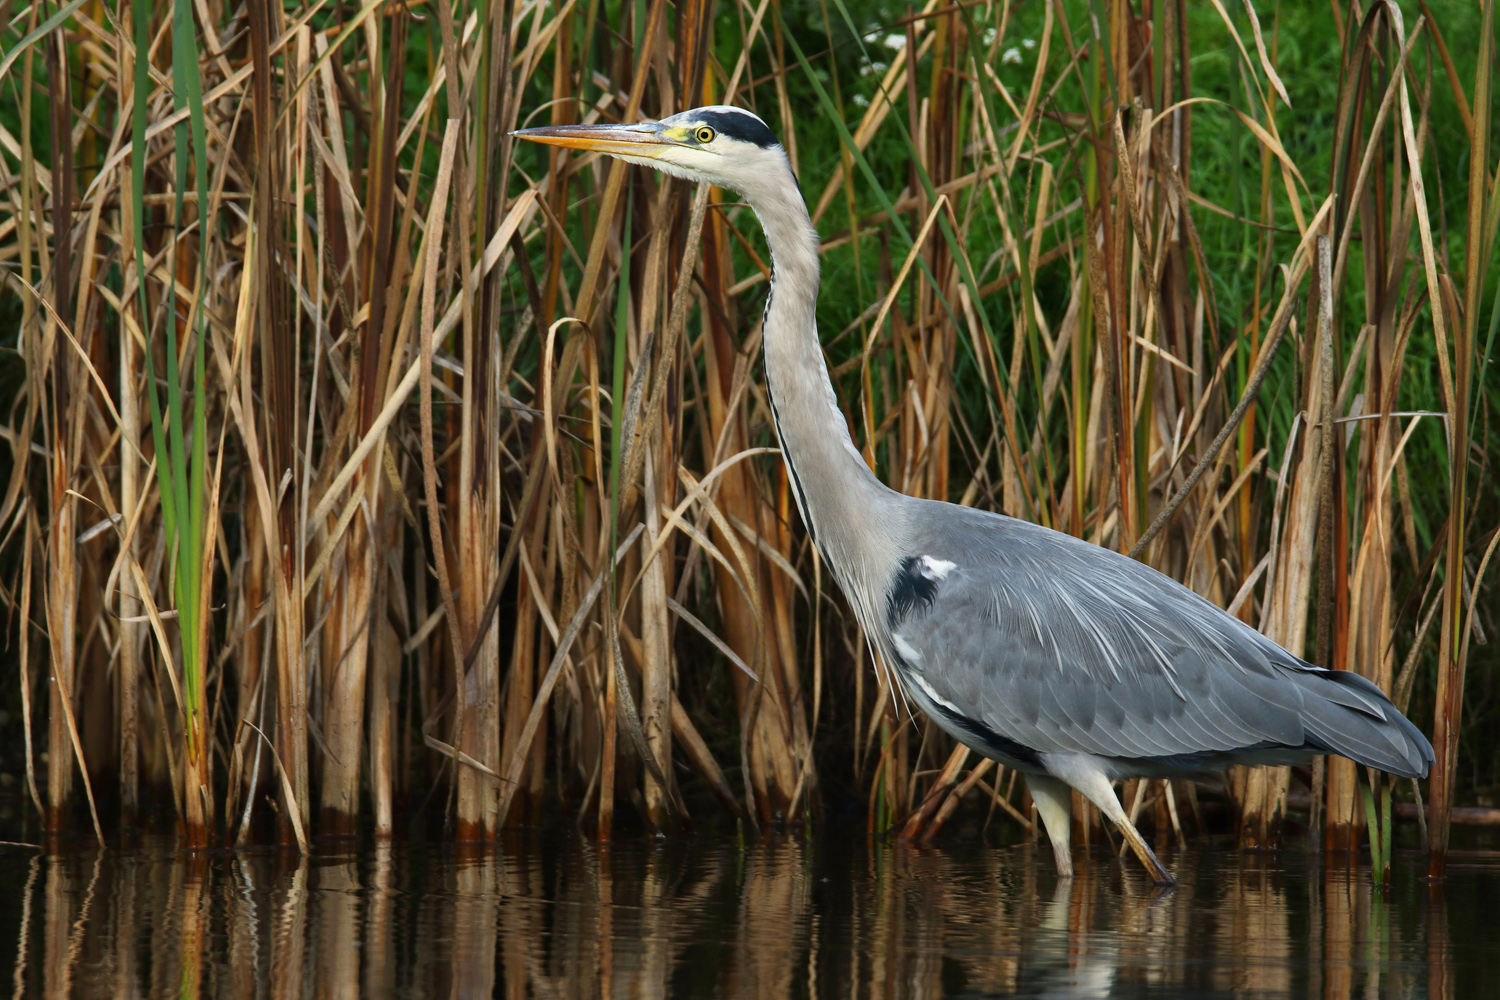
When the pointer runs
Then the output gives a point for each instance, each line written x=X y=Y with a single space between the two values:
x=648 y=139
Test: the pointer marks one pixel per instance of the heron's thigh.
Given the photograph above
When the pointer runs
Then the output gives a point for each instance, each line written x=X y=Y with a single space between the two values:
x=1093 y=784
x=1054 y=804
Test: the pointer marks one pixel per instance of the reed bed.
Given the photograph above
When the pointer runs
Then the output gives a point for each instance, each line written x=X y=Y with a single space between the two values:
x=366 y=467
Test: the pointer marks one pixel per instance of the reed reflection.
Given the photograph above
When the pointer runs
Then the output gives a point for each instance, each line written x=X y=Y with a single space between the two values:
x=378 y=947
x=783 y=918
x=1439 y=954
x=337 y=927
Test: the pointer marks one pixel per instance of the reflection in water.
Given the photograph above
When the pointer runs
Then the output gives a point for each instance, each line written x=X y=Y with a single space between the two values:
x=559 y=917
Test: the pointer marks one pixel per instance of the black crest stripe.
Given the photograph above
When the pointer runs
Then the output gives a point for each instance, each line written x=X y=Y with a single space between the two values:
x=739 y=125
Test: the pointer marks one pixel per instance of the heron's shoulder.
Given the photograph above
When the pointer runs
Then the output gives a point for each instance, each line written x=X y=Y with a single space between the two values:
x=974 y=537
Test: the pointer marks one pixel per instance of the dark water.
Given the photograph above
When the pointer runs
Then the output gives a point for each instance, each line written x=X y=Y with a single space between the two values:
x=559 y=916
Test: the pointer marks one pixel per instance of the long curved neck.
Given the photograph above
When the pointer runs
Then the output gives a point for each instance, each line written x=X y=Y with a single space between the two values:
x=834 y=488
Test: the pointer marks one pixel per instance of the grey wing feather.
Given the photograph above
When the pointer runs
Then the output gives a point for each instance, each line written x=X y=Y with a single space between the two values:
x=1064 y=647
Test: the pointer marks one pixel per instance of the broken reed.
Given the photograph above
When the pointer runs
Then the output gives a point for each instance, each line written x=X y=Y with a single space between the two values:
x=481 y=510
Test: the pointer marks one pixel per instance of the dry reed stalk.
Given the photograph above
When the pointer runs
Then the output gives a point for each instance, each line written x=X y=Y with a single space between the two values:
x=277 y=422
x=59 y=597
x=1260 y=793
x=478 y=482
x=385 y=685
x=1368 y=608
x=132 y=632
x=656 y=656
x=937 y=795
x=955 y=797
x=54 y=379
x=1480 y=229
x=519 y=688
x=655 y=624
x=346 y=590
x=245 y=774
x=436 y=215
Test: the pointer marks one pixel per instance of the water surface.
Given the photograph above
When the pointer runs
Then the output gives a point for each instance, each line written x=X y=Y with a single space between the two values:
x=559 y=916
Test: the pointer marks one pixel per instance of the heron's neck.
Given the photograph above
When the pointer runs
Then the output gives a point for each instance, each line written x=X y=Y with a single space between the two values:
x=835 y=490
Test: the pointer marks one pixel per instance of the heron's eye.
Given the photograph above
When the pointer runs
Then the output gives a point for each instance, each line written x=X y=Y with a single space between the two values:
x=705 y=134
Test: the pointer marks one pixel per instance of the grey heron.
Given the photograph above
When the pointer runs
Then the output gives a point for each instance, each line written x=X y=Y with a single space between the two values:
x=1073 y=664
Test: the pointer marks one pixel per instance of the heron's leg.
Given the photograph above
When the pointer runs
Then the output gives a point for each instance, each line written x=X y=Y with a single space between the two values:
x=1054 y=804
x=1096 y=788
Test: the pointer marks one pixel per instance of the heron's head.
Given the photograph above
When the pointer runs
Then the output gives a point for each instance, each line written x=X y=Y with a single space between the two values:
x=721 y=145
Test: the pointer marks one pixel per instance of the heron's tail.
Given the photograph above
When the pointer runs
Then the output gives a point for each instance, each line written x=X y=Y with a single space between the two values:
x=1348 y=715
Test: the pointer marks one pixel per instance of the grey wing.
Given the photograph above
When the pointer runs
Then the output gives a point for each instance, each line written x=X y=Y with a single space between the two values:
x=1058 y=646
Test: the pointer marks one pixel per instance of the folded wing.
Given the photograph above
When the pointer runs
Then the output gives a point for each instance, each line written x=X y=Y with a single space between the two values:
x=1064 y=647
